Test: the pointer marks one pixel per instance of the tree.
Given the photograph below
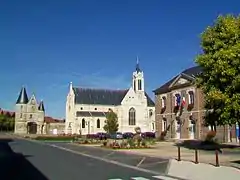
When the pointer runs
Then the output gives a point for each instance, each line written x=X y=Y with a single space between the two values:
x=6 y=123
x=111 y=121
x=220 y=77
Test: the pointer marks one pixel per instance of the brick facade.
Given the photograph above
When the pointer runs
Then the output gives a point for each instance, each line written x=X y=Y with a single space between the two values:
x=187 y=123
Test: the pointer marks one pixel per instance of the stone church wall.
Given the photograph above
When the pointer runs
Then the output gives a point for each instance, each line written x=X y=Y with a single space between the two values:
x=51 y=128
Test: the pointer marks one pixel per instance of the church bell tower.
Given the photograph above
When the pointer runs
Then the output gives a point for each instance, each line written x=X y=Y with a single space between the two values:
x=138 y=79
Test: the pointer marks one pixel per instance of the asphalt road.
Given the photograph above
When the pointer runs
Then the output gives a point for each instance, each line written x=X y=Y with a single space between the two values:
x=149 y=163
x=22 y=159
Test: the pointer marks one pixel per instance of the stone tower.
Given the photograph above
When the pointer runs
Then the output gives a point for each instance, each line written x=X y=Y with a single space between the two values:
x=29 y=115
x=138 y=81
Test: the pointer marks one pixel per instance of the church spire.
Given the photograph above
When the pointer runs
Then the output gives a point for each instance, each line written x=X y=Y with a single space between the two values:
x=41 y=106
x=22 y=98
x=138 y=66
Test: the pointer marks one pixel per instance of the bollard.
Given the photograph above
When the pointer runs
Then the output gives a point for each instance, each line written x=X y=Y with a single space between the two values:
x=196 y=156
x=217 y=159
x=179 y=154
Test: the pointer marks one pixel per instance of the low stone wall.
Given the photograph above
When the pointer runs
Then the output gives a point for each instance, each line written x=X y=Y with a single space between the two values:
x=53 y=128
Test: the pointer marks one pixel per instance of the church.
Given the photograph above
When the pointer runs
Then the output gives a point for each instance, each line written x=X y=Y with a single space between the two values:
x=86 y=108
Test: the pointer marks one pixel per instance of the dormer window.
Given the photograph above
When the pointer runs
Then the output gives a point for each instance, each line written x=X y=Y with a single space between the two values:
x=164 y=102
x=191 y=97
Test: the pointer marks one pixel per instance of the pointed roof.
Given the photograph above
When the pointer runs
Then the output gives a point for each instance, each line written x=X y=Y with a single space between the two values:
x=41 y=106
x=189 y=73
x=138 y=66
x=22 y=98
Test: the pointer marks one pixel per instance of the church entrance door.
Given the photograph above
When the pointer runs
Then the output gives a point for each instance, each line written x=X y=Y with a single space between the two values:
x=32 y=128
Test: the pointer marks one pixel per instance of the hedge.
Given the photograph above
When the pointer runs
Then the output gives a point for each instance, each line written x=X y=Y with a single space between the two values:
x=54 y=138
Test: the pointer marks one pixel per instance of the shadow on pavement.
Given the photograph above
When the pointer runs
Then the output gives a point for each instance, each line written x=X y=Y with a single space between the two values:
x=204 y=145
x=15 y=165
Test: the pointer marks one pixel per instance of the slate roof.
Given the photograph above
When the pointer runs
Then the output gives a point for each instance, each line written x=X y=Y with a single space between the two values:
x=41 y=106
x=49 y=119
x=193 y=71
x=22 y=98
x=102 y=96
x=90 y=113
x=189 y=73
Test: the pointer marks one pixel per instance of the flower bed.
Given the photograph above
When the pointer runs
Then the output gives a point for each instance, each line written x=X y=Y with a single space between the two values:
x=55 y=138
x=89 y=141
x=126 y=144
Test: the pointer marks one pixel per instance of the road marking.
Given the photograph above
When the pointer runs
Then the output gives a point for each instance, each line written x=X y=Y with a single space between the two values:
x=106 y=160
x=139 y=178
x=109 y=154
x=141 y=161
x=115 y=179
x=165 y=178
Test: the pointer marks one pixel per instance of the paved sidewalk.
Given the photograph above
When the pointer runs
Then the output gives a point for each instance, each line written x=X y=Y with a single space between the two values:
x=191 y=171
x=168 y=150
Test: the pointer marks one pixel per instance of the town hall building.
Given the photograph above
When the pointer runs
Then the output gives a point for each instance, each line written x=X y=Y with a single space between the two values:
x=86 y=108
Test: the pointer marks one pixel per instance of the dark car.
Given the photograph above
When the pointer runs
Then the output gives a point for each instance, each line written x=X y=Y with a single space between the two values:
x=102 y=136
x=148 y=135
x=117 y=135
x=128 y=135
x=92 y=136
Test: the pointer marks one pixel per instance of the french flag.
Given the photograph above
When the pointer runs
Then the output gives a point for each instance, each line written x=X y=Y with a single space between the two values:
x=177 y=100
x=183 y=101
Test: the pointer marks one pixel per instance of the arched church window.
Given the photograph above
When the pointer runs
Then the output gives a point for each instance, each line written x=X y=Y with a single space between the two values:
x=83 y=123
x=150 y=112
x=98 y=123
x=132 y=117
x=134 y=85
x=139 y=84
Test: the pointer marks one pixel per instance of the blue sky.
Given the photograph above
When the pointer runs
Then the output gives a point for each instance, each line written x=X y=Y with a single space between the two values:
x=94 y=43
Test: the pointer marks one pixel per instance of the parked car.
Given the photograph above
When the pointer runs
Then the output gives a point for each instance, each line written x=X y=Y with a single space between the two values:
x=117 y=135
x=148 y=135
x=128 y=135
x=92 y=136
x=102 y=135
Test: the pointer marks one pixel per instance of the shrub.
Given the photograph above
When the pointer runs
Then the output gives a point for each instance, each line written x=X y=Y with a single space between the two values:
x=105 y=143
x=130 y=142
x=123 y=144
x=144 y=143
